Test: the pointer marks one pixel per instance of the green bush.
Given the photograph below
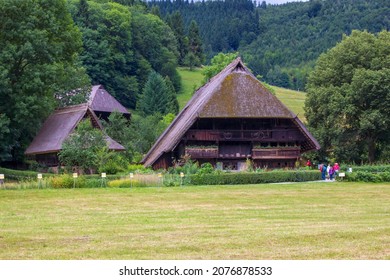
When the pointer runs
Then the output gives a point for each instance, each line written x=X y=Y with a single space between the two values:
x=362 y=176
x=17 y=175
x=135 y=183
x=205 y=168
x=254 y=178
x=64 y=181
x=138 y=168
x=369 y=168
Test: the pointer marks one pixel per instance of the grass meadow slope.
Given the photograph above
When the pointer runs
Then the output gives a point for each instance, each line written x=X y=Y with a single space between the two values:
x=274 y=221
x=192 y=80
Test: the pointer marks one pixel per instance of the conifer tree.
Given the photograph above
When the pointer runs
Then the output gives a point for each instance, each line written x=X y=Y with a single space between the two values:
x=173 y=104
x=195 y=43
x=175 y=22
x=154 y=98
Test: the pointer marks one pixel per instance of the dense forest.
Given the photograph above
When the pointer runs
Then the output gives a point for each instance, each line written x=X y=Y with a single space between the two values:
x=279 y=42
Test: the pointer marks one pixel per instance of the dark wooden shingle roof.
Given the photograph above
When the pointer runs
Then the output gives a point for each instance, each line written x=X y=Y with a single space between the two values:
x=59 y=125
x=101 y=101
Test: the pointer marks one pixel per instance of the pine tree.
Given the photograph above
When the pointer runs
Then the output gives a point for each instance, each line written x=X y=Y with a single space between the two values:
x=195 y=43
x=175 y=22
x=173 y=104
x=154 y=98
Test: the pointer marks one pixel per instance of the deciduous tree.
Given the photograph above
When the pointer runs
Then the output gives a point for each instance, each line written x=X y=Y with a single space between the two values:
x=348 y=101
x=39 y=44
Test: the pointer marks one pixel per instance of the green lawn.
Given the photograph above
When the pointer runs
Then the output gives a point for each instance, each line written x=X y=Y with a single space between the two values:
x=192 y=80
x=280 y=221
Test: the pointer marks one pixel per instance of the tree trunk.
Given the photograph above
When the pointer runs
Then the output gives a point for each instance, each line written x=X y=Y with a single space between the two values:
x=371 y=150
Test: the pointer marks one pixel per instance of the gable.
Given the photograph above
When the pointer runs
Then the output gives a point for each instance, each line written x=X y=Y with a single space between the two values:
x=101 y=101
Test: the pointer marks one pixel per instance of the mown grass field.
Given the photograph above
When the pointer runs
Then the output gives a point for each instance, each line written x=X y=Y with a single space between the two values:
x=280 y=221
x=192 y=80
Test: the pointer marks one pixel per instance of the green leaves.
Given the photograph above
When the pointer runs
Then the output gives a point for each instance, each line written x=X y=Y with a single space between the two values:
x=218 y=63
x=81 y=149
x=349 y=96
x=38 y=40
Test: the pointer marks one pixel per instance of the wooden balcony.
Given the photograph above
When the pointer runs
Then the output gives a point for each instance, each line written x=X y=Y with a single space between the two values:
x=244 y=135
x=276 y=153
x=202 y=152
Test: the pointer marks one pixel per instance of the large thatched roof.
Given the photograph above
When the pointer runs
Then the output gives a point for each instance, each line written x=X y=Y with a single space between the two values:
x=233 y=93
x=59 y=125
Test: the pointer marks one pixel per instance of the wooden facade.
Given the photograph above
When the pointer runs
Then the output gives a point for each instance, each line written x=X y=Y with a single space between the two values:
x=231 y=119
x=273 y=143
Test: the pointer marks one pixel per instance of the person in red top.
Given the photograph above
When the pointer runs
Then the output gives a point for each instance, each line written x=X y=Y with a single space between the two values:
x=336 y=168
x=308 y=164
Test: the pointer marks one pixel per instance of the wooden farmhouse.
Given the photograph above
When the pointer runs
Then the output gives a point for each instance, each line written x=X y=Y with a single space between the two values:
x=60 y=124
x=230 y=119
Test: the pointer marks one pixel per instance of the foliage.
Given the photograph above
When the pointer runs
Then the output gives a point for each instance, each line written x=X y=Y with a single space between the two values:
x=362 y=176
x=155 y=47
x=39 y=46
x=157 y=97
x=66 y=181
x=254 y=178
x=73 y=97
x=175 y=22
x=145 y=131
x=369 y=168
x=81 y=148
x=280 y=42
x=119 y=128
x=138 y=168
x=110 y=162
x=122 y=44
x=205 y=168
x=139 y=181
x=195 y=56
x=107 y=47
x=348 y=98
x=18 y=175
x=218 y=63
x=223 y=25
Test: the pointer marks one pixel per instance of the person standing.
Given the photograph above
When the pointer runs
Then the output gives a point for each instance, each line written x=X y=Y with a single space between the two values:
x=323 y=168
x=331 y=172
x=308 y=164
x=336 y=168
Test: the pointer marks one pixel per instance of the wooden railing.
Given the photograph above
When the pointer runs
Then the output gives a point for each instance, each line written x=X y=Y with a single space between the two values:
x=276 y=153
x=202 y=152
x=257 y=153
x=245 y=135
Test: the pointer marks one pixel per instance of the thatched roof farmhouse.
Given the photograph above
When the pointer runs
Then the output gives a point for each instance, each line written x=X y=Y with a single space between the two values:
x=230 y=119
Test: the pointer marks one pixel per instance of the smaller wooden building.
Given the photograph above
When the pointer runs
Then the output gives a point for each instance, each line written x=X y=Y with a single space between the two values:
x=229 y=120
x=62 y=122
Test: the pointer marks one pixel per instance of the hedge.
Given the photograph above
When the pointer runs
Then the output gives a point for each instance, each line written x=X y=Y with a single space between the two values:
x=369 y=168
x=362 y=176
x=255 y=178
x=17 y=175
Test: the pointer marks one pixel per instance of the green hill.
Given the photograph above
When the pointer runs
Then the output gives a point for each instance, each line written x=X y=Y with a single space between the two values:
x=191 y=80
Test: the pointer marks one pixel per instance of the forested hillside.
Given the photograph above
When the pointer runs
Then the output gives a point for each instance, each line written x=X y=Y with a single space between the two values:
x=279 y=42
x=49 y=48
